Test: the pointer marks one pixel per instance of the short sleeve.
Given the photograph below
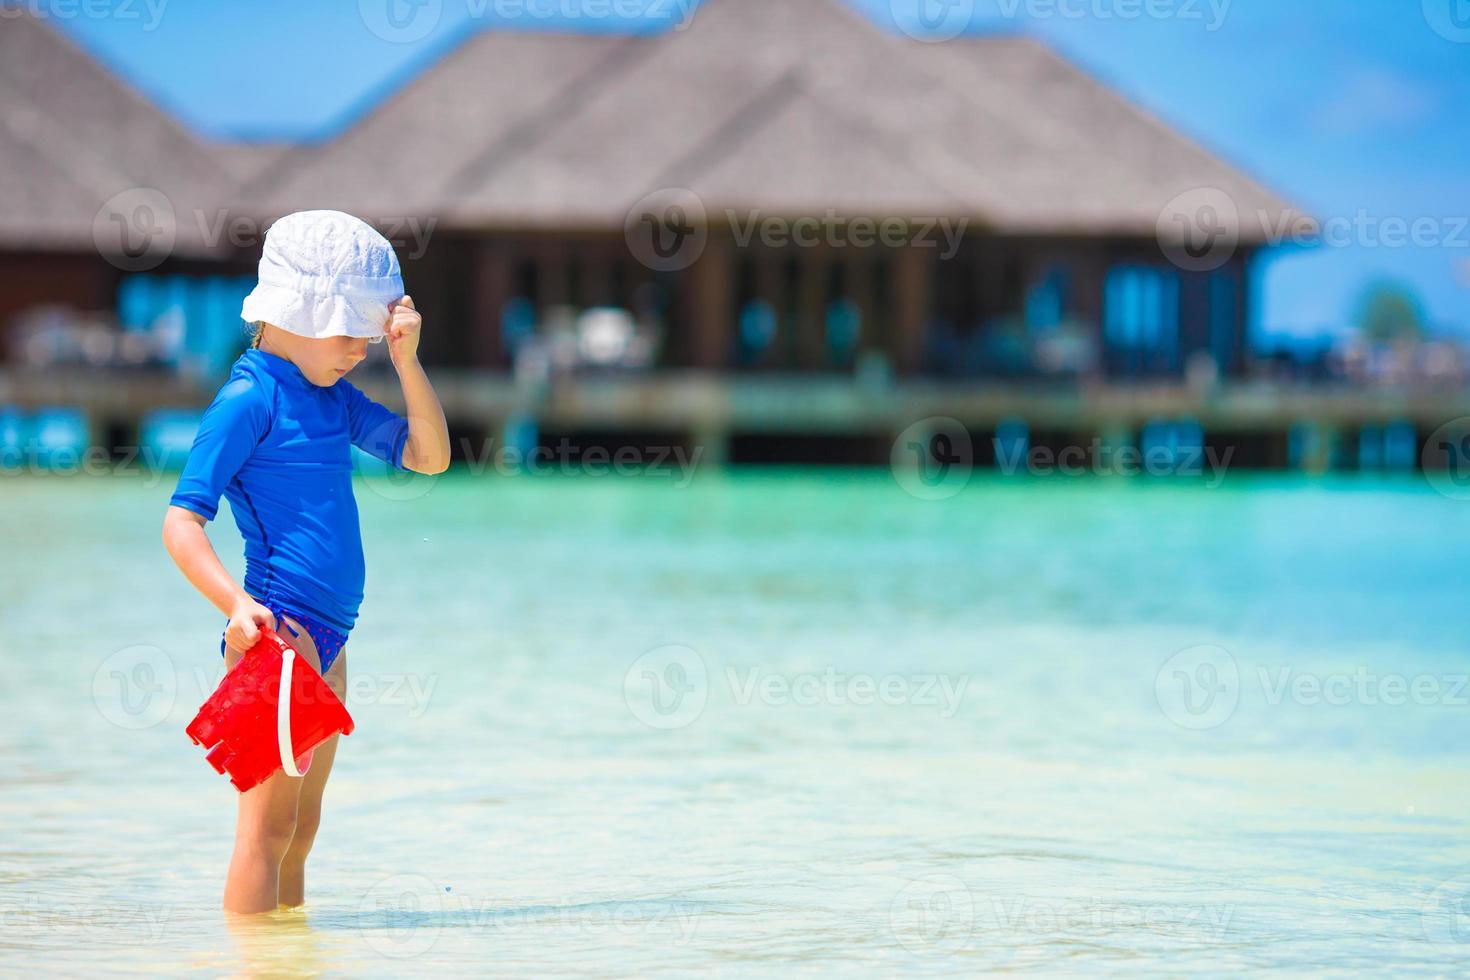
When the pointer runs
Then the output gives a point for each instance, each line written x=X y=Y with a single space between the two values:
x=232 y=426
x=376 y=429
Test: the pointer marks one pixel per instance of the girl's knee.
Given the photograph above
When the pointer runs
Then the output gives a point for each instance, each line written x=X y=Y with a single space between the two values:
x=273 y=833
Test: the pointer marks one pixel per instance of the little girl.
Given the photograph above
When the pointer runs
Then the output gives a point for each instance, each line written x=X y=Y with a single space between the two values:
x=276 y=441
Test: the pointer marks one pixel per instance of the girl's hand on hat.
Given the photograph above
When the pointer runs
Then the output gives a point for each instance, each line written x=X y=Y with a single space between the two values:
x=246 y=619
x=402 y=330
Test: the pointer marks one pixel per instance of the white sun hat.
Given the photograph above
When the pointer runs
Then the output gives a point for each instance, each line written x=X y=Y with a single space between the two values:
x=325 y=274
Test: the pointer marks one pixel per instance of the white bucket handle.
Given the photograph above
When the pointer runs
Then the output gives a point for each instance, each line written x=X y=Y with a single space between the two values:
x=283 y=716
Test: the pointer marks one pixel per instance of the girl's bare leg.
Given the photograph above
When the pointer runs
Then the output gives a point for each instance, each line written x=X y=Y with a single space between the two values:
x=267 y=819
x=309 y=807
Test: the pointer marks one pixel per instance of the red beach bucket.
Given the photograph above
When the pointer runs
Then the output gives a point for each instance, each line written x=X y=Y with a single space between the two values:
x=267 y=715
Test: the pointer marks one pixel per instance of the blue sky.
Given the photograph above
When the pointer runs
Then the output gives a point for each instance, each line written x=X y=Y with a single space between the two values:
x=1357 y=111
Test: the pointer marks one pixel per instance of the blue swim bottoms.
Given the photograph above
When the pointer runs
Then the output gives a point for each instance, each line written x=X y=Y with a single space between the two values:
x=329 y=642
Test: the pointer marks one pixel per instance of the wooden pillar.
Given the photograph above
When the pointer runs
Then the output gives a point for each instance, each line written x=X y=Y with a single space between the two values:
x=492 y=290
x=811 y=313
x=1094 y=262
x=551 y=277
x=910 y=307
x=1089 y=274
x=770 y=287
x=989 y=274
x=861 y=289
x=1194 y=313
x=1241 y=326
x=597 y=276
x=712 y=306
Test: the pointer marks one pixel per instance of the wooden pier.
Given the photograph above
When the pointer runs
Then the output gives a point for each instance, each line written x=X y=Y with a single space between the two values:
x=718 y=412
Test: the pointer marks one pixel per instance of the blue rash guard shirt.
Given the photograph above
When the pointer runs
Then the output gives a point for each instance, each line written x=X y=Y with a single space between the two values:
x=279 y=448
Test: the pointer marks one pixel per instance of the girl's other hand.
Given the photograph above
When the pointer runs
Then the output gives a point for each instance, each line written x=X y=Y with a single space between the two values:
x=402 y=330
x=245 y=622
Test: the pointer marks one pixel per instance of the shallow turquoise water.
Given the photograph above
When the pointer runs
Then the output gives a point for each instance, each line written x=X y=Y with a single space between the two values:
x=621 y=726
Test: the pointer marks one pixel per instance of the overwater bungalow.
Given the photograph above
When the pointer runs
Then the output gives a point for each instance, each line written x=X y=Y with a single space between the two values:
x=757 y=221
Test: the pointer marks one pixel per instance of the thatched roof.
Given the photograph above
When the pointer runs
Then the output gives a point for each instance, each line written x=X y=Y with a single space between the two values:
x=73 y=136
x=791 y=106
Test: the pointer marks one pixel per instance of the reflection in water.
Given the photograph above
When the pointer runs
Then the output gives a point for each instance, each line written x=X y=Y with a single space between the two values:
x=282 y=943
